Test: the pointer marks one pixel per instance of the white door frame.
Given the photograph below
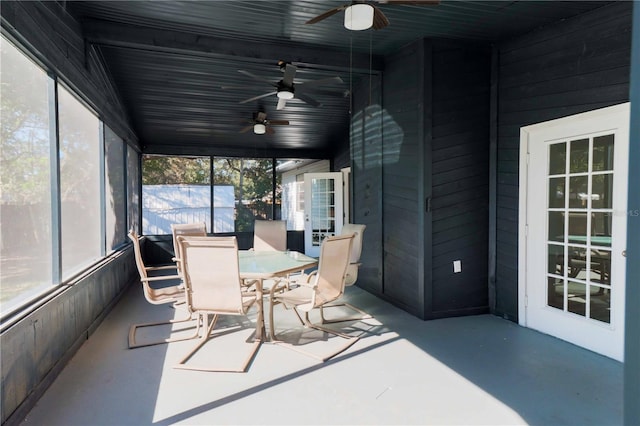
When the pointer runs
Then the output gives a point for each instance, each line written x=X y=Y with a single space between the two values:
x=346 y=194
x=566 y=125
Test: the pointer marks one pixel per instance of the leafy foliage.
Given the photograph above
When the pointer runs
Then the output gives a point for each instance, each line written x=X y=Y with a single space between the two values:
x=252 y=180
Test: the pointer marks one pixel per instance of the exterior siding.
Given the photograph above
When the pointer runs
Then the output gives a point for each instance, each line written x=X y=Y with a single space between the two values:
x=571 y=67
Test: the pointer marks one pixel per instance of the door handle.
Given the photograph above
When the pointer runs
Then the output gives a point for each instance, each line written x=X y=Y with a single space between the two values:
x=624 y=253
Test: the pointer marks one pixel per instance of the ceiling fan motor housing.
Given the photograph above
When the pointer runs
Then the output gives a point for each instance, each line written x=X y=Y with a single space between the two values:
x=285 y=91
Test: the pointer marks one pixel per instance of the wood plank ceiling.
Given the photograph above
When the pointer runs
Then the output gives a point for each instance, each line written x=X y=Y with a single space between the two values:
x=176 y=64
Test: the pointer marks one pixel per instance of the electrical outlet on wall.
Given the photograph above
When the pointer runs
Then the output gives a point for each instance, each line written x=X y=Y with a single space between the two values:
x=457 y=266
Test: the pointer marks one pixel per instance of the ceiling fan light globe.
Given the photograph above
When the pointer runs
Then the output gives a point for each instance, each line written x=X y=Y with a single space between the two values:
x=285 y=94
x=259 y=129
x=358 y=17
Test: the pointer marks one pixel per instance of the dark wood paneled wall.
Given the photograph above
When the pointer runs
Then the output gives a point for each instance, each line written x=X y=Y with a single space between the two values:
x=36 y=348
x=403 y=177
x=366 y=177
x=423 y=189
x=460 y=178
x=571 y=67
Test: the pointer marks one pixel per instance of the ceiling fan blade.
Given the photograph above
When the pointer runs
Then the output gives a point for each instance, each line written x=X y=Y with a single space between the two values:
x=281 y=103
x=308 y=99
x=270 y=130
x=342 y=93
x=326 y=14
x=257 y=97
x=411 y=2
x=380 y=21
x=289 y=73
x=246 y=129
x=232 y=87
x=278 y=122
x=261 y=116
x=311 y=84
x=255 y=77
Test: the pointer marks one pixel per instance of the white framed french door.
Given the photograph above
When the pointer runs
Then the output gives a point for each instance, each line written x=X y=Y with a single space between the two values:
x=323 y=215
x=572 y=228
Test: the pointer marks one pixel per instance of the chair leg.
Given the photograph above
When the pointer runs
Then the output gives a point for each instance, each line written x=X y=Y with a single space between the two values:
x=134 y=327
x=307 y=323
x=206 y=336
x=363 y=314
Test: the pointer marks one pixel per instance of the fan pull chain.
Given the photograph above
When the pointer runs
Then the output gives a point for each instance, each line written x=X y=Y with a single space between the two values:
x=370 y=65
x=351 y=74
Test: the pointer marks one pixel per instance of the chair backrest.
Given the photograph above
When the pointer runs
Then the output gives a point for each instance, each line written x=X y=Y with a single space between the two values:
x=270 y=235
x=332 y=268
x=356 y=250
x=142 y=270
x=192 y=229
x=212 y=274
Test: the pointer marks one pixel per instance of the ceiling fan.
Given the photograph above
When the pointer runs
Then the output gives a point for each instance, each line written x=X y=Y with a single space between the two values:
x=261 y=125
x=286 y=89
x=362 y=15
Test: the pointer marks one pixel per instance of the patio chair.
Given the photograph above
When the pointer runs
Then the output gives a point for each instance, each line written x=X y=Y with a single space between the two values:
x=193 y=229
x=324 y=286
x=167 y=294
x=214 y=288
x=352 y=274
x=270 y=235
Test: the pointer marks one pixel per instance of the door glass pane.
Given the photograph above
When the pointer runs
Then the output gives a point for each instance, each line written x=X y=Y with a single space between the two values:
x=556 y=226
x=555 y=292
x=601 y=267
x=579 y=224
x=557 y=158
x=578 y=227
x=601 y=229
x=577 y=262
x=323 y=221
x=603 y=153
x=577 y=297
x=578 y=191
x=556 y=192
x=600 y=304
x=556 y=259
x=579 y=156
x=602 y=191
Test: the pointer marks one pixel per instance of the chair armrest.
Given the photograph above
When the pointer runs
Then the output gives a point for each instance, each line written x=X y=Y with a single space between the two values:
x=161 y=278
x=312 y=286
x=305 y=278
x=307 y=283
x=159 y=268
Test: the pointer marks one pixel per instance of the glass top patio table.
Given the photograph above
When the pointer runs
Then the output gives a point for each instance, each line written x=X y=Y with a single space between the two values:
x=263 y=265
x=269 y=264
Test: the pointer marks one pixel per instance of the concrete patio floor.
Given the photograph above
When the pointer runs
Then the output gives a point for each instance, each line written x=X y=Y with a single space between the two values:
x=462 y=371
